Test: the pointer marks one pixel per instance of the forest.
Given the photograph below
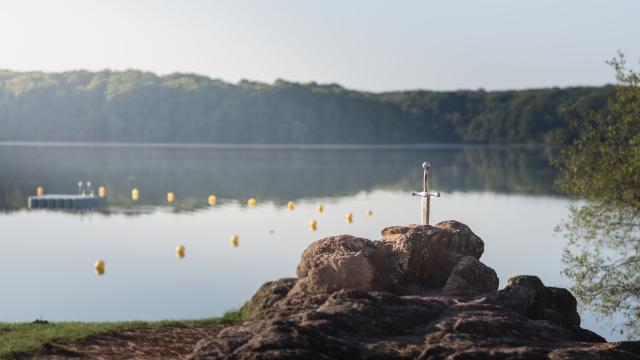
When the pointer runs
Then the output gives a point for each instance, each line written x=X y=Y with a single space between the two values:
x=136 y=106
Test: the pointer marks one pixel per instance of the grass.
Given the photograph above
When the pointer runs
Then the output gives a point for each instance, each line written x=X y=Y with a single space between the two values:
x=20 y=338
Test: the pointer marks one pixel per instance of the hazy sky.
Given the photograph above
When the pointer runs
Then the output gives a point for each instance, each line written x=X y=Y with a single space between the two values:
x=370 y=45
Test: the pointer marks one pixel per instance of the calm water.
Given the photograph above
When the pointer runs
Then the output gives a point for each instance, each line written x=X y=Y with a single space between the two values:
x=46 y=267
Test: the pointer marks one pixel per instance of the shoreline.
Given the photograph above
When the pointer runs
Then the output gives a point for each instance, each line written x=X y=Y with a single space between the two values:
x=42 y=338
x=269 y=146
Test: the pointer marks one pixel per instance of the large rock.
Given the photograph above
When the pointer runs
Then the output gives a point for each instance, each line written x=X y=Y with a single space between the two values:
x=355 y=324
x=426 y=255
x=419 y=293
x=337 y=262
x=267 y=295
x=454 y=235
x=417 y=255
x=471 y=276
x=527 y=295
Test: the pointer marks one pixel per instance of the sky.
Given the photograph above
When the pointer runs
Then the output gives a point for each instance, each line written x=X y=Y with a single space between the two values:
x=367 y=45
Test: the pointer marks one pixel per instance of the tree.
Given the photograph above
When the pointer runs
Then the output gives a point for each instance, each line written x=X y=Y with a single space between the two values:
x=136 y=106
x=602 y=167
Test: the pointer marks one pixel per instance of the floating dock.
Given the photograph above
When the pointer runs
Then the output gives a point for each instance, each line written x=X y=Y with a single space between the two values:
x=64 y=201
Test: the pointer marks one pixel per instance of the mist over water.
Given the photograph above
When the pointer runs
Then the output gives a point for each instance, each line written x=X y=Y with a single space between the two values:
x=269 y=173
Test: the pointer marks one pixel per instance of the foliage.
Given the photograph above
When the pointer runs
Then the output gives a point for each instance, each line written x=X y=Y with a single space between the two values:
x=603 y=168
x=135 y=106
x=20 y=338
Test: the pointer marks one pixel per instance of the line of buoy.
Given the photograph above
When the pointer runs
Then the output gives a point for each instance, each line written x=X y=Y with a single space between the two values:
x=212 y=200
x=99 y=265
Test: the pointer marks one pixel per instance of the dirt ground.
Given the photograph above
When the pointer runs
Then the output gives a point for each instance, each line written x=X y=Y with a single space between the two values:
x=166 y=342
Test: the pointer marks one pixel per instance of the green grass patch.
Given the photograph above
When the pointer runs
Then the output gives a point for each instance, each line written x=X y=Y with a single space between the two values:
x=20 y=338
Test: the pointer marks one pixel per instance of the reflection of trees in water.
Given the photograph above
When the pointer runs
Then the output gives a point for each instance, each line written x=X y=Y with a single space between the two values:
x=603 y=258
x=603 y=167
x=275 y=175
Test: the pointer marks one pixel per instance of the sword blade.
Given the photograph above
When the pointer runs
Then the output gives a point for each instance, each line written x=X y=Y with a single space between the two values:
x=425 y=210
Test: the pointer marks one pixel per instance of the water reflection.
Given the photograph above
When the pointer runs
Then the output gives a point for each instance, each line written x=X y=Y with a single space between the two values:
x=230 y=250
x=268 y=174
x=602 y=258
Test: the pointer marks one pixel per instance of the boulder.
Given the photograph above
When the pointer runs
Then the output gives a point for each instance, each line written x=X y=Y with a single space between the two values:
x=426 y=255
x=527 y=295
x=334 y=263
x=267 y=295
x=471 y=276
x=356 y=324
x=420 y=292
x=422 y=256
x=459 y=238
x=520 y=293
x=416 y=255
x=453 y=235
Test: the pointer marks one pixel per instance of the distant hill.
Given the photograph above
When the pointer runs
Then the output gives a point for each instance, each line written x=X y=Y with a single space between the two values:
x=135 y=106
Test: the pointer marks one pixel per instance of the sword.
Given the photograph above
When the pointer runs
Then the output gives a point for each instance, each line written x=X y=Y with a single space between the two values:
x=425 y=194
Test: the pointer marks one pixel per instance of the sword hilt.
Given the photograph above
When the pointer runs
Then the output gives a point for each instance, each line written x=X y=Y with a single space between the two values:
x=426 y=194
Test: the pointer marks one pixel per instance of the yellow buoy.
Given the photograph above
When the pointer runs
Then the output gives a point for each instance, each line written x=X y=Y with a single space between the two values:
x=180 y=251
x=291 y=205
x=212 y=200
x=171 y=197
x=235 y=240
x=369 y=212
x=313 y=225
x=135 y=194
x=99 y=267
x=39 y=191
x=320 y=208
x=102 y=191
x=251 y=202
x=349 y=217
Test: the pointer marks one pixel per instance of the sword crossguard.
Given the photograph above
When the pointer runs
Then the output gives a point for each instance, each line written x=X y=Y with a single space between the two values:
x=426 y=194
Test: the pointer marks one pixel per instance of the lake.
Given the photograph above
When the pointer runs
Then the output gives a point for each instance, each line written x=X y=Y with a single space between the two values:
x=505 y=194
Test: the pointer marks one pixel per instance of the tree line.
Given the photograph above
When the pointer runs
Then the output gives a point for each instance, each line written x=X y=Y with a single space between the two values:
x=136 y=106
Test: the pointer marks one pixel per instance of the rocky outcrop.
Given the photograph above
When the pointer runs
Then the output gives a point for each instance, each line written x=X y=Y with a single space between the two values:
x=411 y=256
x=338 y=262
x=420 y=292
x=470 y=276
x=268 y=294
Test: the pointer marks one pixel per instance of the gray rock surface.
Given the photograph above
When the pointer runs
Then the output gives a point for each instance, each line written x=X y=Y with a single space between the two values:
x=527 y=295
x=267 y=295
x=470 y=276
x=418 y=293
x=406 y=256
x=337 y=262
